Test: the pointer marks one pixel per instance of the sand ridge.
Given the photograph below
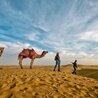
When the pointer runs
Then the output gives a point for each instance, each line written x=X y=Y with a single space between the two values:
x=41 y=82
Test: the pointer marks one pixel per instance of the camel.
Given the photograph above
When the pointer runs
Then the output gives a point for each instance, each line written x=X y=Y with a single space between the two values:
x=1 y=50
x=29 y=53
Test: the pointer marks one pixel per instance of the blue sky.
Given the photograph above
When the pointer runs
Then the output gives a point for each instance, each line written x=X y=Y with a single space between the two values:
x=66 y=26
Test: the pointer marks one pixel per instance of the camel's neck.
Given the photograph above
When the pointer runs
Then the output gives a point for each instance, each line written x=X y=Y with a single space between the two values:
x=40 y=55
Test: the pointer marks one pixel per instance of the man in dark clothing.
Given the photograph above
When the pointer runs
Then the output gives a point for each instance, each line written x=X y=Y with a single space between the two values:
x=74 y=66
x=57 y=59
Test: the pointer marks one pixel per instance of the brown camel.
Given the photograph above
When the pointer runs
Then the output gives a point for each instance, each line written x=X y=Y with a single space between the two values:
x=1 y=50
x=29 y=53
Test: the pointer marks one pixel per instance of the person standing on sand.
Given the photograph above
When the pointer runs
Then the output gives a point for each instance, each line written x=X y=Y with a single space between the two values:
x=75 y=67
x=57 y=59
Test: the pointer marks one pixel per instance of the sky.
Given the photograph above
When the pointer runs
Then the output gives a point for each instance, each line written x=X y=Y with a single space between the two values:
x=69 y=27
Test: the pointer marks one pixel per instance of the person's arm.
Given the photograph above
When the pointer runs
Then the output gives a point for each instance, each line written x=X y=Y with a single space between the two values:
x=72 y=62
x=76 y=65
x=55 y=58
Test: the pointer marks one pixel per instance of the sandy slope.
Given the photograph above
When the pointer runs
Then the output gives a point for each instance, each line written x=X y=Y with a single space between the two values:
x=42 y=82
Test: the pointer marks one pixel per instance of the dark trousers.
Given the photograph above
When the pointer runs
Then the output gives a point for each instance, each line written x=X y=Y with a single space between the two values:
x=74 y=72
x=57 y=63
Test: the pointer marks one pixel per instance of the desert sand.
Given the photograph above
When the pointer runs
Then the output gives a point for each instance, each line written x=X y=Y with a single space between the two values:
x=43 y=82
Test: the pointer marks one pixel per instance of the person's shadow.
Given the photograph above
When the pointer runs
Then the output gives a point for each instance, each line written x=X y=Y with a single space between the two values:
x=90 y=73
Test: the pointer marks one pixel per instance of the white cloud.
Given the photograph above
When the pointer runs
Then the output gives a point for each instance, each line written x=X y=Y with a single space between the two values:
x=3 y=45
x=67 y=56
x=32 y=36
x=96 y=48
x=11 y=51
x=63 y=25
x=16 y=47
x=90 y=36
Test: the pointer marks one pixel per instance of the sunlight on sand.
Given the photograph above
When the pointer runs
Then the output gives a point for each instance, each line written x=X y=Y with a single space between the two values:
x=42 y=82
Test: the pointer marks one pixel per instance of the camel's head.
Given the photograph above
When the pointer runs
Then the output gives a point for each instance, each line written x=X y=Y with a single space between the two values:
x=44 y=53
x=1 y=50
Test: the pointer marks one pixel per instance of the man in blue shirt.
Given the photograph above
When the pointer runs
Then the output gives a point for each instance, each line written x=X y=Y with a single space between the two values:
x=75 y=67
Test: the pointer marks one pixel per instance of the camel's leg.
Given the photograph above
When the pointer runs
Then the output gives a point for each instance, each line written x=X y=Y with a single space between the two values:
x=31 y=63
x=20 y=61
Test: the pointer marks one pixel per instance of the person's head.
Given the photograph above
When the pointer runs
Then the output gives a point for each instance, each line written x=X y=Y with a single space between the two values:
x=75 y=60
x=57 y=54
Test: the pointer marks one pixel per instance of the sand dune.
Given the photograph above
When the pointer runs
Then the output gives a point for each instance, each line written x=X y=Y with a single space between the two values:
x=42 y=82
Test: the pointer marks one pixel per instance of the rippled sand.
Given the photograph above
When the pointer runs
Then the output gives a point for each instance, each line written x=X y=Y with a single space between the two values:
x=42 y=82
